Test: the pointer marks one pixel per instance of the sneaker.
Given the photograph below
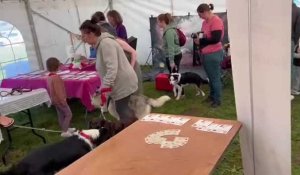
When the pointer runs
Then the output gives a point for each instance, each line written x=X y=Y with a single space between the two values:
x=215 y=104
x=294 y=92
x=71 y=130
x=66 y=134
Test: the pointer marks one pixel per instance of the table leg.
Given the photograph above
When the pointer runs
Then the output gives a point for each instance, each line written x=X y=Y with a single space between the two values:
x=85 y=117
x=8 y=145
x=31 y=124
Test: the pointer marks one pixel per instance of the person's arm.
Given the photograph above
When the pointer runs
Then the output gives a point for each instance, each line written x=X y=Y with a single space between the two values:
x=216 y=31
x=216 y=37
x=110 y=59
x=126 y=47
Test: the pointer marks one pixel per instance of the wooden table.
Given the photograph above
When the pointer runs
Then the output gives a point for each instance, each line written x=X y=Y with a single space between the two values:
x=128 y=154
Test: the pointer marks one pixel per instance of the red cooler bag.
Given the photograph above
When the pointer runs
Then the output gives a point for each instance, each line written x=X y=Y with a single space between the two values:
x=162 y=82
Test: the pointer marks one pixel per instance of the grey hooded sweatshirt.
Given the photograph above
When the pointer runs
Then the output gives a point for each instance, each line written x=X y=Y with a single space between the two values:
x=114 y=68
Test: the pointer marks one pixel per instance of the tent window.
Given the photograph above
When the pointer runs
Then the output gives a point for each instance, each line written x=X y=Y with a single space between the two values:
x=13 y=55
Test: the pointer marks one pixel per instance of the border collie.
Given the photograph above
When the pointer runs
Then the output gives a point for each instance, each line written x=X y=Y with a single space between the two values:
x=52 y=158
x=179 y=80
x=141 y=105
x=113 y=127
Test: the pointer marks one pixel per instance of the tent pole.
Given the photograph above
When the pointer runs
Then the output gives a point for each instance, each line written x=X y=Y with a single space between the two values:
x=79 y=22
x=172 y=7
x=34 y=35
x=52 y=22
x=110 y=4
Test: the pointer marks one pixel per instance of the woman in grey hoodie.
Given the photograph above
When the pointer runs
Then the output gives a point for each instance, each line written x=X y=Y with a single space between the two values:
x=118 y=76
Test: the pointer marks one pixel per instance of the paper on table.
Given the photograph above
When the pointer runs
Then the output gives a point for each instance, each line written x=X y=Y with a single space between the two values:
x=209 y=126
x=63 y=72
x=167 y=119
x=91 y=76
x=159 y=139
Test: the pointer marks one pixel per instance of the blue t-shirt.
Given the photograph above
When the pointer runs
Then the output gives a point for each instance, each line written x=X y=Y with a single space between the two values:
x=93 y=52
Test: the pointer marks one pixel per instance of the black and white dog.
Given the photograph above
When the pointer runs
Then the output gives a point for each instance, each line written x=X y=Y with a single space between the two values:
x=179 y=80
x=52 y=158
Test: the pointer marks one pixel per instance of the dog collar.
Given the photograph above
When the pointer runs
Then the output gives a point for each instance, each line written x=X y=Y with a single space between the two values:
x=86 y=136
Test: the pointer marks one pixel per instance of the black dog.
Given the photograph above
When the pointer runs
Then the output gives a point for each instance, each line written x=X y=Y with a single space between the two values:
x=113 y=128
x=179 y=80
x=52 y=158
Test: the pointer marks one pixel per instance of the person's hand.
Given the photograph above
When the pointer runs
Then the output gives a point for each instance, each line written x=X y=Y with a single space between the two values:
x=103 y=94
x=196 y=40
x=174 y=68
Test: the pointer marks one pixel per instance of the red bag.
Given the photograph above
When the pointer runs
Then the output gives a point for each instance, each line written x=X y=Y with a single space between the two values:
x=181 y=37
x=162 y=82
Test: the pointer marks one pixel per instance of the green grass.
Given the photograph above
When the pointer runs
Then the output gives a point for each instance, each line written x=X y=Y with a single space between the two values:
x=231 y=164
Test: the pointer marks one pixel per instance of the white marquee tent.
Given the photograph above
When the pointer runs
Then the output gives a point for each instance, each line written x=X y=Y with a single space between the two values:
x=54 y=19
x=258 y=31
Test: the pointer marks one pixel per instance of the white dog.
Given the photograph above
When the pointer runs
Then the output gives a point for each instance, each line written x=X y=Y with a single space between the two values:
x=141 y=105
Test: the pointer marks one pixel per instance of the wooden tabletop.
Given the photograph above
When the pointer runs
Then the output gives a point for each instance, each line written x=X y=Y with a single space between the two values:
x=127 y=153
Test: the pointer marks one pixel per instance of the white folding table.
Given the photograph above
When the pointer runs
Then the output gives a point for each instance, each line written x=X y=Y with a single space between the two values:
x=17 y=102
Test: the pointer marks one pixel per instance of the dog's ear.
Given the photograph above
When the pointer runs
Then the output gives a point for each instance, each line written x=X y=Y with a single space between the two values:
x=103 y=131
x=96 y=123
x=92 y=124
x=104 y=135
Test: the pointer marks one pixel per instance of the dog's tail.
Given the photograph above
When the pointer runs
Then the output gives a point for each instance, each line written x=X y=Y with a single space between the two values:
x=206 y=80
x=159 y=101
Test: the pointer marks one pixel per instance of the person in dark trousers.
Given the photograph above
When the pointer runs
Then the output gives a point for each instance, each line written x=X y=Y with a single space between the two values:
x=211 y=47
x=171 y=46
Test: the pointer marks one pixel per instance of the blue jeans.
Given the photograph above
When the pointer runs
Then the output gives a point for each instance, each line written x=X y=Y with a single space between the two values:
x=212 y=66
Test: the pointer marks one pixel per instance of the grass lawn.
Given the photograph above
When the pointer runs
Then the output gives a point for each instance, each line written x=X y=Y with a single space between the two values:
x=231 y=164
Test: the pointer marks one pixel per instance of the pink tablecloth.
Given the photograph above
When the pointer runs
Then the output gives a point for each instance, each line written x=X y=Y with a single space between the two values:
x=79 y=84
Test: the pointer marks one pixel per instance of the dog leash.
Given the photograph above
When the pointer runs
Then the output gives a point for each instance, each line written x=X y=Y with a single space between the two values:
x=102 y=114
x=102 y=108
x=39 y=129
